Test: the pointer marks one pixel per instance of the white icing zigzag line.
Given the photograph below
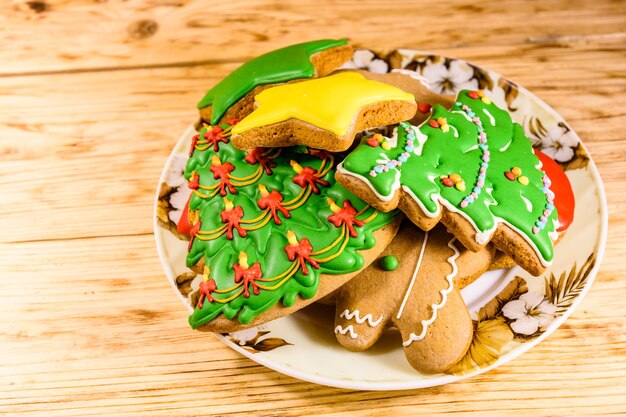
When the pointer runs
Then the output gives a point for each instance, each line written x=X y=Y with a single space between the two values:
x=417 y=268
x=368 y=317
x=348 y=329
x=444 y=296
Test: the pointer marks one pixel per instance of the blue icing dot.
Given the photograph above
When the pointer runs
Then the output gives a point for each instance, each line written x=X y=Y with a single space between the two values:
x=544 y=190
x=408 y=148
x=540 y=224
x=469 y=200
x=484 y=164
x=390 y=165
x=482 y=146
x=481 y=176
x=471 y=114
x=458 y=103
x=402 y=158
x=476 y=190
x=378 y=169
x=549 y=206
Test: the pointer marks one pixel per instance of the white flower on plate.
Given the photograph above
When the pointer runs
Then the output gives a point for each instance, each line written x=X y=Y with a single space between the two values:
x=365 y=59
x=177 y=201
x=559 y=144
x=244 y=336
x=175 y=175
x=531 y=312
x=458 y=76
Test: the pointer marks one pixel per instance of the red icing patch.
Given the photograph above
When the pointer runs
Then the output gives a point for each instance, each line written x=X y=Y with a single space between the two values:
x=510 y=176
x=473 y=94
x=255 y=156
x=232 y=218
x=220 y=172
x=308 y=177
x=372 y=142
x=249 y=277
x=183 y=227
x=302 y=251
x=447 y=182
x=563 y=194
x=346 y=215
x=206 y=288
x=423 y=107
x=434 y=123
x=273 y=201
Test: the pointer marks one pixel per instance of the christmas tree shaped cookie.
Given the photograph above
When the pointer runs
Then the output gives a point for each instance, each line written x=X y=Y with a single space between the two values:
x=472 y=168
x=271 y=231
x=233 y=97
x=324 y=113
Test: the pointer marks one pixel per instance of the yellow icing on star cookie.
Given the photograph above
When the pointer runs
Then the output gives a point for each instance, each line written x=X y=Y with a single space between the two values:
x=330 y=103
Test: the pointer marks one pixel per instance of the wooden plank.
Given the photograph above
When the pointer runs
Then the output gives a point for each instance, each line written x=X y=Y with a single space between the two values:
x=61 y=35
x=78 y=130
x=105 y=335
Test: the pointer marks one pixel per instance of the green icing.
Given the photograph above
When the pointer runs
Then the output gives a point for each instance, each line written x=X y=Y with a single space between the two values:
x=277 y=66
x=267 y=244
x=438 y=153
x=389 y=263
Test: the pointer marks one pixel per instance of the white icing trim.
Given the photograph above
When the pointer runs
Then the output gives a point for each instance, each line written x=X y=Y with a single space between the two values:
x=529 y=204
x=346 y=314
x=492 y=120
x=505 y=147
x=444 y=297
x=348 y=329
x=417 y=268
x=483 y=237
x=463 y=113
x=456 y=132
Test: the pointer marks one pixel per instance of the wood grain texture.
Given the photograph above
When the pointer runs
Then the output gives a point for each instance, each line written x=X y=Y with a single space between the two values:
x=93 y=95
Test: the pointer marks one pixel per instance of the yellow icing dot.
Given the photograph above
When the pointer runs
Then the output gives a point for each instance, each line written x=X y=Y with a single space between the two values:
x=456 y=178
x=460 y=186
x=379 y=137
x=486 y=100
x=523 y=180
x=516 y=171
x=386 y=145
x=445 y=128
x=330 y=103
x=480 y=93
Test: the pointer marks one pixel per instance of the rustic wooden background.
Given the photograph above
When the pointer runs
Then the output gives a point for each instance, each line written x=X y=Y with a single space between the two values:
x=93 y=95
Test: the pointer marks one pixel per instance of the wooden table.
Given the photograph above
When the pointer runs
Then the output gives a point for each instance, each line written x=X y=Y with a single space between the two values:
x=93 y=95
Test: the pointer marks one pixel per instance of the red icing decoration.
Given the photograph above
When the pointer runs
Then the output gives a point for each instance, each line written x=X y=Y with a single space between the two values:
x=194 y=181
x=232 y=218
x=509 y=176
x=424 y=107
x=564 y=200
x=221 y=171
x=194 y=142
x=372 y=142
x=302 y=251
x=273 y=201
x=307 y=176
x=183 y=227
x=434 y=123
x=215 y=136
x=232 y=122
x=447 y=182
x=346 y=215
x=192 y=234
x=248 y=275
x=256 y=156
x=473 y=94
x=206 y=288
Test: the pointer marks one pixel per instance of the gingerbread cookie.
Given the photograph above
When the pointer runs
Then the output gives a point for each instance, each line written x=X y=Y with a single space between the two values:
x=324 y=113
x=418 y=294
x=412 y=82
x=271 y=231
x=472 y=168
x=233 y=97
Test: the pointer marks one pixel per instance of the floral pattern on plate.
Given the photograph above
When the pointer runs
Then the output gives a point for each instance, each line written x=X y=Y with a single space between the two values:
x=510 y=316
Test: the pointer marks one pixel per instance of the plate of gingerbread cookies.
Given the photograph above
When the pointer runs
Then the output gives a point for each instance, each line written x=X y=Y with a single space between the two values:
x=378 y=221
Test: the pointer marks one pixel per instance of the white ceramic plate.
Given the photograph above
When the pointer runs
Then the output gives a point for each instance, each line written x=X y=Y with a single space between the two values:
x=304 y=346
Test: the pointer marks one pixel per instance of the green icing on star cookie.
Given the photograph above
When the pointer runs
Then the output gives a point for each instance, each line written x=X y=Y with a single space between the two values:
x=277 y=66
x=268 y=223
x=464 y=159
